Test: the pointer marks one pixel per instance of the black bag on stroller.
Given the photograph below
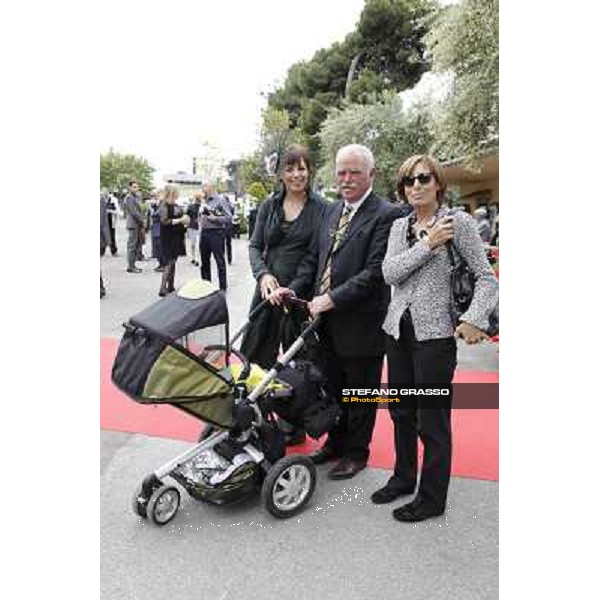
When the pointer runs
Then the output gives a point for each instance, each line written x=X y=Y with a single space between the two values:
x=310 y=407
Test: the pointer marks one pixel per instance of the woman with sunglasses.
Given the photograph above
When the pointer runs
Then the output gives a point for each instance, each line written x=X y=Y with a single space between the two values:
x=420 y=340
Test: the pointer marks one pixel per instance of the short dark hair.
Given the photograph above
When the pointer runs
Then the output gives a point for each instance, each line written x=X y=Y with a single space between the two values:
x=132 y=182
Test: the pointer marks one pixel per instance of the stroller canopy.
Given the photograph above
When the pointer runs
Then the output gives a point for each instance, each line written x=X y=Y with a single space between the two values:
x=197 y=305
x=157 y=361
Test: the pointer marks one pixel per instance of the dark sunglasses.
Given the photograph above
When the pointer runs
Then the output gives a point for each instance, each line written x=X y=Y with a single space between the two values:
x=422 y=178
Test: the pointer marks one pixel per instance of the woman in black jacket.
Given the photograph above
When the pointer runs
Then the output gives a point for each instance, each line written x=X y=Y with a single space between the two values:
x=172 y=235
x=284 y=233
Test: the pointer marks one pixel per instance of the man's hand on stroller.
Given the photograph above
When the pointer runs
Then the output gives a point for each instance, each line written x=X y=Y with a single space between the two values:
x=320 y=304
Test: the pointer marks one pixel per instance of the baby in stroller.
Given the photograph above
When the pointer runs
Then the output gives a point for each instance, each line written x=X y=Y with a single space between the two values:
x=177 y=351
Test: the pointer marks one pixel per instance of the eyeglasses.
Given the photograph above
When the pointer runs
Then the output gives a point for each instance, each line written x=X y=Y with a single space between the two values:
x=422 y=178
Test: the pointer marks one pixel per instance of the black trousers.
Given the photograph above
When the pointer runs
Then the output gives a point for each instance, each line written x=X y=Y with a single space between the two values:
x=157 y=250
x=411 y=362
x=113 y=241
x=212 y=243
x=228 y=248
x=351 y=437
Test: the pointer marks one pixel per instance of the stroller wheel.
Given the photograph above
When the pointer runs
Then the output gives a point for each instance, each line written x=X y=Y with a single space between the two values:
x=289 y=485
x=139 y=504
x=142 y=495
x=163 y=504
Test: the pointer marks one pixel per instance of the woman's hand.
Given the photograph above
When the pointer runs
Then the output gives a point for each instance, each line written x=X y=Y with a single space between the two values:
x=268 y=284
x=185 y=220
x=278 y=297
x=470 y=333
x=441 y=232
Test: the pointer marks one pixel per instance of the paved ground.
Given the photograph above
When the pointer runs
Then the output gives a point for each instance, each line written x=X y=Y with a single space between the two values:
x=341 y=546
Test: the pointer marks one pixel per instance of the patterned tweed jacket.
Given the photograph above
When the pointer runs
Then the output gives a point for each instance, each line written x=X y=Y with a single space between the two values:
x=420 y=280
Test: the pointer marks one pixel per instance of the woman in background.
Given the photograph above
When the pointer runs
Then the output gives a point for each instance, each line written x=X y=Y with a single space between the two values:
x=172 y=235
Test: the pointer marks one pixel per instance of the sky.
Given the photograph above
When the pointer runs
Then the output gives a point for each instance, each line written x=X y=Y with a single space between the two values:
x=182 y=74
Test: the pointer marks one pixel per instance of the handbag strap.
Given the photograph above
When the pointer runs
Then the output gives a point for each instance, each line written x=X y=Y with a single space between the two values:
x=451 y=248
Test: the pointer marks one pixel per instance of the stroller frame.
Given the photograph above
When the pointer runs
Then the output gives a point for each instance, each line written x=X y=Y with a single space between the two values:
x=287 y=484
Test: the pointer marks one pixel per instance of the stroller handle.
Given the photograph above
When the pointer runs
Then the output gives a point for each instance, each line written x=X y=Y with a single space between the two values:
x=289 y=301
x=284 y=360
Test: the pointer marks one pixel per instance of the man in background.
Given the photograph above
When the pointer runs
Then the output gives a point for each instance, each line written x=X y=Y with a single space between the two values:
x=229 y=230
x=193 y=231
x=483 y=225
x=134 y=221
x=213 y=220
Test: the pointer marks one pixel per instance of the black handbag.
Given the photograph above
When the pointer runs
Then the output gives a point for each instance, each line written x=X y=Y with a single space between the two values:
x=462 y=286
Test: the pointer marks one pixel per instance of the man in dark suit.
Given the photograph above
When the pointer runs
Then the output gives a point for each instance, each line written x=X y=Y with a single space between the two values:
x=135 y=225
x=352 y=298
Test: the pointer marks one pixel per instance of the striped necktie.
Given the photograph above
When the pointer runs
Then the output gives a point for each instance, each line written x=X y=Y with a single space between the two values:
x=339 y=234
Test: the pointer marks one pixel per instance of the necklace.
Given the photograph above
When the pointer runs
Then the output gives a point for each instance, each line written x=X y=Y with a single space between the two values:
x=421 y=227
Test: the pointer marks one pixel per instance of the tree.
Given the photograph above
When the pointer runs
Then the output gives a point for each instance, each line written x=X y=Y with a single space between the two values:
x=390 y=40
x=276 y=134
x=257 y=190
x=276 y=131
x=252 y=169
x=464 y=40
x=385 y=51
x=391 y=133
x=117 y=170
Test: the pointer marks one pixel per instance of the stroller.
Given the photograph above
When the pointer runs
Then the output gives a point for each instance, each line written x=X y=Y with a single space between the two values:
x=177 y=351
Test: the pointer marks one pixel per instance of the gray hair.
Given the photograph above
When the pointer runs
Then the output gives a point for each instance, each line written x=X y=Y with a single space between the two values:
x=362 y=151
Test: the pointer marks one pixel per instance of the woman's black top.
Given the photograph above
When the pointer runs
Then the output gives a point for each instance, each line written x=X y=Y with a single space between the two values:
x=172 y=237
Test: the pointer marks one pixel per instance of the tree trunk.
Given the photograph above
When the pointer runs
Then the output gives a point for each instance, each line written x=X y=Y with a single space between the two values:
x=351 y=71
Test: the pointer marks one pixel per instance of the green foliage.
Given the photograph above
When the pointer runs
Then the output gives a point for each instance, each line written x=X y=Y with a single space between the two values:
x=243 y=222
x=368 y=84
x=383 y=126
x=276 y=134
x=117 y=170
x=390 y=40
x=464 y=39
x=252 y=169
x=257 y=190
x=276 y=131
x=390 y=55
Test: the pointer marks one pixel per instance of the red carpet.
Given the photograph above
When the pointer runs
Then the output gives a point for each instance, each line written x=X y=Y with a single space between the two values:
x=475 y=431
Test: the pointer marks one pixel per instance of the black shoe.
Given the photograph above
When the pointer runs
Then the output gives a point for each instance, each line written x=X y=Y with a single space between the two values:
x=159 y=269
x=390 y=492
x=323 y=455
x=346 y=468
x=162 y=293
x=134 y=270
x=416 y=511
x=295 y=437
